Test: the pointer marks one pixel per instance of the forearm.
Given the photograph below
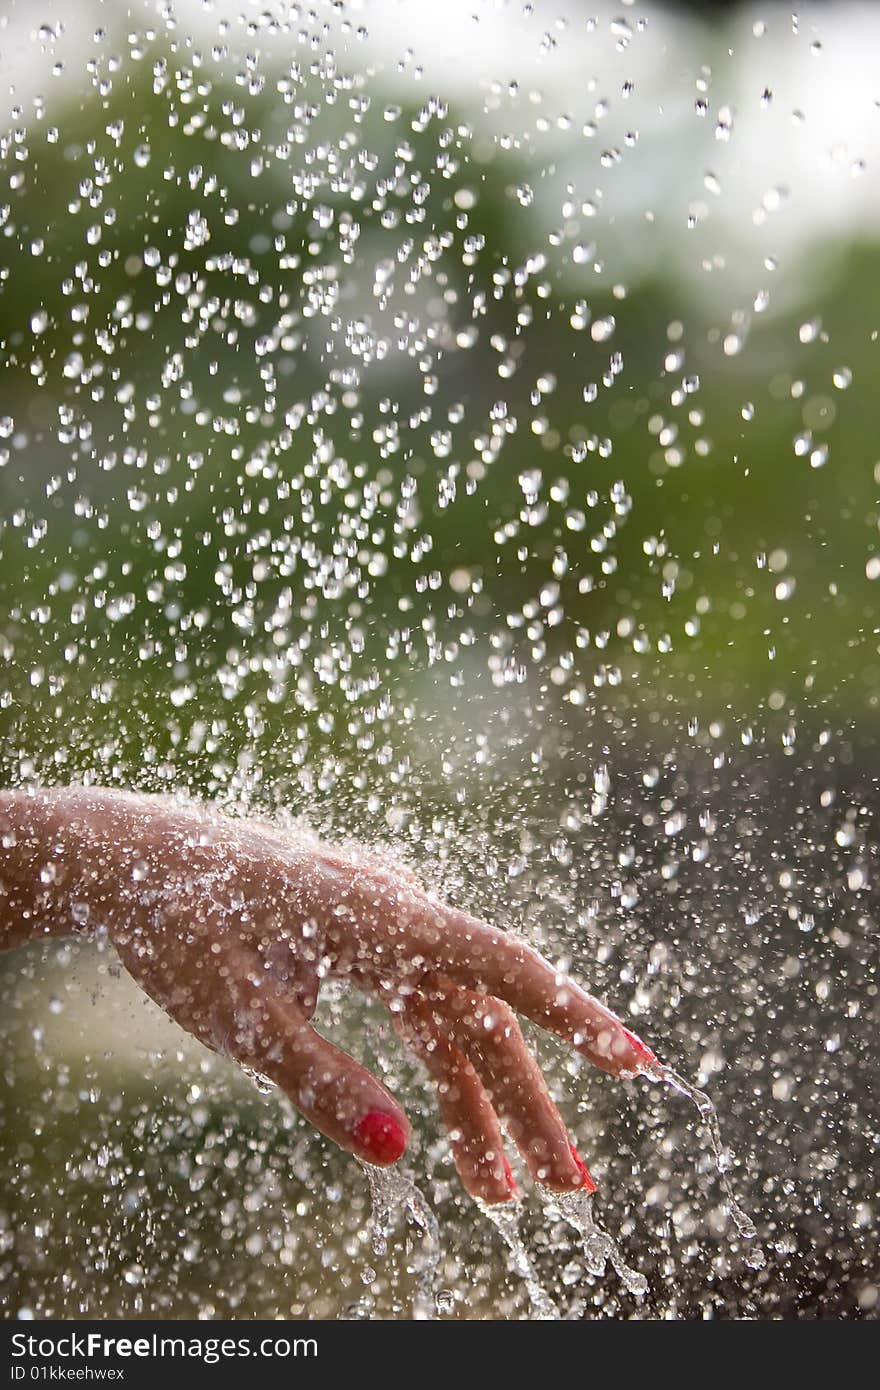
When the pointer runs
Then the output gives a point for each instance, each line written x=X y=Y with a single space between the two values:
x=73 y=859
x=49 y=883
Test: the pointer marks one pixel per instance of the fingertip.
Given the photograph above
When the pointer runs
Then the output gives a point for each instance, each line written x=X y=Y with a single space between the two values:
x=493 y=1185
x=587 y=1183
x=512 y=1188
x=617 y=1050
x=642 y=1059
x=381 y=1138
x=568 y=1174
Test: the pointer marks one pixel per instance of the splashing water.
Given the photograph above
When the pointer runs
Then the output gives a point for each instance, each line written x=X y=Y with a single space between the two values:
x=392 y=1192
x=258 y=1080
x=505 y=1218
x=598 y=1247
x=475 y=468
x=723 y=1159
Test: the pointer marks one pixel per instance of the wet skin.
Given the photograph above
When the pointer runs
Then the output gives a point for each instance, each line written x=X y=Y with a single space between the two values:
x=231 y=925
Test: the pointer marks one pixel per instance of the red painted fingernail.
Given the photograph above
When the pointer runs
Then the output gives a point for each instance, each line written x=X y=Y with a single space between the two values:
x=642 y=1050
x=381 y=1136
x=587 y=1183
x=512 y=1188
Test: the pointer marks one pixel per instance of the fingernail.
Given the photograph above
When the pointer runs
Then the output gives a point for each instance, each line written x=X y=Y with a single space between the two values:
x=642 y=1050
x=381 y=1136
x=512 y=1188
x=587 y=1185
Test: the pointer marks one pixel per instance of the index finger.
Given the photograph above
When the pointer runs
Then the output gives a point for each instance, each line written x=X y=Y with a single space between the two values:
x=479 y=956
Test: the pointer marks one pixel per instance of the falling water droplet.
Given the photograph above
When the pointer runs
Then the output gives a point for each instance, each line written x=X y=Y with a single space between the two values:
x=392 y=1192
x=504 y=1216
x=723 y=1161
x=599 y=1249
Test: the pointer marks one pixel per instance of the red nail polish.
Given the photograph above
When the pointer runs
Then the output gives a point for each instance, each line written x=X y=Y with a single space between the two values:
x=588 y=1185
x=381 y=1137
x=511 y=1180
x=642 y=1051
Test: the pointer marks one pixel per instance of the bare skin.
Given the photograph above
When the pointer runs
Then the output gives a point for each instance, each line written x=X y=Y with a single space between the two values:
x=231 y=926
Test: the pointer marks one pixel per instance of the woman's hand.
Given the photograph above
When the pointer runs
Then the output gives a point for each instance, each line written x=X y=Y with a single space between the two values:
x=231 y=925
